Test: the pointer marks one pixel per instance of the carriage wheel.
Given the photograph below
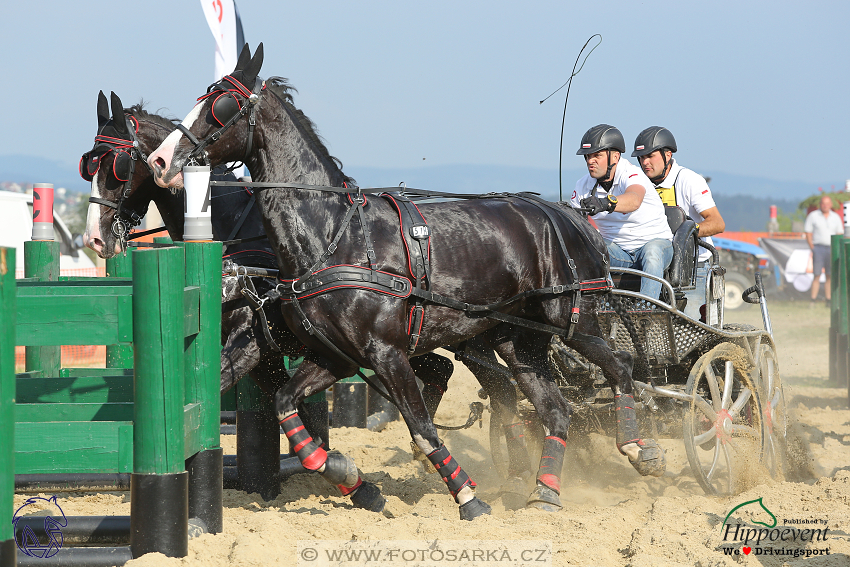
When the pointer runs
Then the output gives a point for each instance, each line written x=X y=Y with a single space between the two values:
x=774 y=412
x=498 y=449
x=722 y=426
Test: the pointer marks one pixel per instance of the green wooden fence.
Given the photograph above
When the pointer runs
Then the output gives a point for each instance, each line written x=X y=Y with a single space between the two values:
x=147 y=419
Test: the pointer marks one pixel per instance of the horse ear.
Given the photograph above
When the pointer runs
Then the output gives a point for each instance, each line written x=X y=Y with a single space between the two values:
x=102 y=110
x=253 y=69
x=244 y=58
x=118 y=119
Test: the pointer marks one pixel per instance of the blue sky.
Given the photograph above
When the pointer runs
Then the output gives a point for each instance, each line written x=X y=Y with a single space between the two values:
x=748 y=88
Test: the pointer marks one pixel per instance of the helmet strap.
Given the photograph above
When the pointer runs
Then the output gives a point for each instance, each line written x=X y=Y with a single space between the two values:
x=606 y=183
x=664 y=171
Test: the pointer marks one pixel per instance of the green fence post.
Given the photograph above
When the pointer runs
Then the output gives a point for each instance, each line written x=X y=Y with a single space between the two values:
x=41 y=261
x=159 y=484
x=120 y=266
x=202 y=363
x=7 y=404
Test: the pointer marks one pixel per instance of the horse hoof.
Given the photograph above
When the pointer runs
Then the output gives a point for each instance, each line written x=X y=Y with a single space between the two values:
x=544 y=498
x=651 y=461
x=513 y=493
x=369 y=497
x=473 y=509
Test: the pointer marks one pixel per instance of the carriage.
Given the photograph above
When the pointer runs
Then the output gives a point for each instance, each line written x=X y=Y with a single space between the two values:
x=511 y=269
x=714 y=384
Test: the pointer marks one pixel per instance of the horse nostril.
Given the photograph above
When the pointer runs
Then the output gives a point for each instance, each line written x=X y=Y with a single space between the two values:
x=159 y=163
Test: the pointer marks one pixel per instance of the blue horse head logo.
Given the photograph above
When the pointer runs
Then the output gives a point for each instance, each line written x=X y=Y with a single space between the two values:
x=28 y=541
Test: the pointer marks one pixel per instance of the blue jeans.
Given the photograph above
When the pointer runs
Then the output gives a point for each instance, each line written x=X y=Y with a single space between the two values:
x=696 y=297
x=652 y=258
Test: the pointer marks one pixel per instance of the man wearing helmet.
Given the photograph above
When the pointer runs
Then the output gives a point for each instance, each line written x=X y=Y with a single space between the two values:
x=678 y=186
x=628 y=213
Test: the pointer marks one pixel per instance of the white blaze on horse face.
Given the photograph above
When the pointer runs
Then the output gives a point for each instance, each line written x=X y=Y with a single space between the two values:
x=92 y=237
x=161 y=159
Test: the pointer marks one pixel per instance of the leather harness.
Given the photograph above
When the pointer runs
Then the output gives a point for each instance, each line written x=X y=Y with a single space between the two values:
x=416 y=239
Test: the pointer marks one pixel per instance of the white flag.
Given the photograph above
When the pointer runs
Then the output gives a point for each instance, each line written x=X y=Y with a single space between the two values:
x=226 y=27
x=221 y=17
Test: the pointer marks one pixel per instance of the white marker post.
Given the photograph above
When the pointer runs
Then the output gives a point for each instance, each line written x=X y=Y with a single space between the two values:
x=847 y=219
x=198 y=212
x=42 y=211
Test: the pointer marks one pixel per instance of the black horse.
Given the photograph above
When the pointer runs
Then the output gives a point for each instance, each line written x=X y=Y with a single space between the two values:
x=245 y=346
x=483 y=252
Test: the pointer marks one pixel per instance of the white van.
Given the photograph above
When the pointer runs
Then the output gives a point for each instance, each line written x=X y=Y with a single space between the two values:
x=16 y=228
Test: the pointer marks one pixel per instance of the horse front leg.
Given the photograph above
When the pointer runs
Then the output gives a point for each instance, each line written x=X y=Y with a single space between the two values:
x=645 y=455
x=396 y=374
x=338 y=469
x=526 y=354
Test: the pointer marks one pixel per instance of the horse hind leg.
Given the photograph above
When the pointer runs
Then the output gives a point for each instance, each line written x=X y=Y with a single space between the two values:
x=526 y=355
x=645 y=455
x=338 y=469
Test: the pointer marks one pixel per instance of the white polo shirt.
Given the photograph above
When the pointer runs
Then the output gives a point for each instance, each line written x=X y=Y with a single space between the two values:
x=823 y=227
x=687 y=189
x=629 y=231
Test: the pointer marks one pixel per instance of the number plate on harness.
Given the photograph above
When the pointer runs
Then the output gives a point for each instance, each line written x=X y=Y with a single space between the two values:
x=420 y=231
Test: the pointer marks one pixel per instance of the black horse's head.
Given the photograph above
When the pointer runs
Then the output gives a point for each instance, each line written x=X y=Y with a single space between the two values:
x=121 y=183
x=199 y=138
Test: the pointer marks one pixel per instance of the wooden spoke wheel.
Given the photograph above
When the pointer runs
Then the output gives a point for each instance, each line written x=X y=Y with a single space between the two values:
x=723 y=425
x=498 y=448
x=774 y=412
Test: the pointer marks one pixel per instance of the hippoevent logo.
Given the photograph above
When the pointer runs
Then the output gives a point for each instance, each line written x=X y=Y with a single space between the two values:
x=51 y=538
x=761 y=534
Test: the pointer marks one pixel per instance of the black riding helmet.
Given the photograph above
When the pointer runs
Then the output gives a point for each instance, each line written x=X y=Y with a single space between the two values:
x=602 y=137
x=655 y=138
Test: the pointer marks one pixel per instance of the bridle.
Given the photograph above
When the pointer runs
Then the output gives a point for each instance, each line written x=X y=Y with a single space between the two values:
x=127 y=153
x=226 y=110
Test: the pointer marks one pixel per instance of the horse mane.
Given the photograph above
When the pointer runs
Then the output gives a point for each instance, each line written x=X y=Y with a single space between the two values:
x=281 y=88
x=139 y=112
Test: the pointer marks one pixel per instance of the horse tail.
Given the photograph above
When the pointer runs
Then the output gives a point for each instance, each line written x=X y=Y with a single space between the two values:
x=641 y=367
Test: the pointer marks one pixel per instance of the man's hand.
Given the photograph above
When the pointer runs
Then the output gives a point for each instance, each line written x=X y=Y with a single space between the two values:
x=596 y=205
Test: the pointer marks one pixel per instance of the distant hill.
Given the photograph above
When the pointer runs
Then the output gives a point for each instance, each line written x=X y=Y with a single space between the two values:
x=743 y=201
x=483 y=178
x=30 y=169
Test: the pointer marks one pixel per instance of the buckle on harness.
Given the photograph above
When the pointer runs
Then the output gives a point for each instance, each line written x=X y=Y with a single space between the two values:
x=556 y=289
x=399 y=285
x=574 y=316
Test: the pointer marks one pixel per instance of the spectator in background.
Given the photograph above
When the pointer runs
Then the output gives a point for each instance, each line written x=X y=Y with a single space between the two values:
x=819 y=228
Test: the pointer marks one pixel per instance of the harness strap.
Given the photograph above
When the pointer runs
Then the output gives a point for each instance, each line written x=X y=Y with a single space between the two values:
x=331 y=247
x=248 y=291
x=370 y=248
x=104 y=202
x=188 y=134
x=313 y=331
x=242 y=216
x=545 y=207
x=347 y=276
x=415 y=236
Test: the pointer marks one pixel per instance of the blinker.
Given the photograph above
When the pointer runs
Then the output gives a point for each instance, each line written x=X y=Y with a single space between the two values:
x=225 y=107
